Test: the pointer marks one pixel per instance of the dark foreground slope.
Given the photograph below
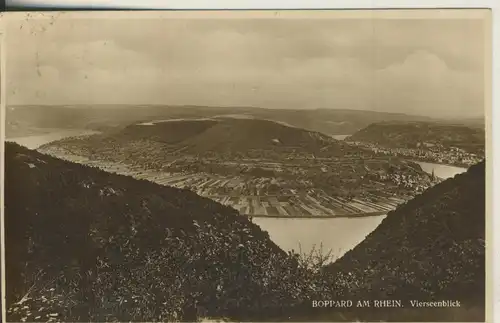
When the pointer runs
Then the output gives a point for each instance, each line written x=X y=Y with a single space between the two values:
x=83 y=244
x=431 y=248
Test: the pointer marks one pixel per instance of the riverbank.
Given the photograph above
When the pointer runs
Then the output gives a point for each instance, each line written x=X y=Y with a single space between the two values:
x=340 y=137
x=319 y=217
x=442 y=171
x=431 y=161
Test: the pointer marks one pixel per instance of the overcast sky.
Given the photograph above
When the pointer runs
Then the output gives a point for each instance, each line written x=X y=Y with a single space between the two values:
x=431 y=67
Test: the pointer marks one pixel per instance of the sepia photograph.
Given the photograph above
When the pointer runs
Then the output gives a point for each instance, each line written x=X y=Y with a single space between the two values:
x=264 y=166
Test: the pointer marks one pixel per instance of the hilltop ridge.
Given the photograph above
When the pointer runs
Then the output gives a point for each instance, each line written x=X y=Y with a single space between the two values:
x=220 y=138
x=217 y=135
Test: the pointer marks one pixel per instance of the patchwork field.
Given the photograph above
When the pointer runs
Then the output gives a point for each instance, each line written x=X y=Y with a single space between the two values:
x=251 y=198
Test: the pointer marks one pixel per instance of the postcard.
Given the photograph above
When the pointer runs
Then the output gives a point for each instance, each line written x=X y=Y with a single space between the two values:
x=312 y=166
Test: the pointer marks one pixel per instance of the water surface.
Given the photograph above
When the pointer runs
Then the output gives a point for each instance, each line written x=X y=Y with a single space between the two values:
x=340 y=137
x=440 y=170
x=35 y=141
x=336 y=234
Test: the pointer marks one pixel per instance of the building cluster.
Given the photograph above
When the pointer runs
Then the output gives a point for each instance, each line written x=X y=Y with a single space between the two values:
x=430 y=153
x=409 y=182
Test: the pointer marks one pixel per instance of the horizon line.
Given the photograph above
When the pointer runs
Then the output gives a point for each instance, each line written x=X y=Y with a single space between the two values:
x=240 y=107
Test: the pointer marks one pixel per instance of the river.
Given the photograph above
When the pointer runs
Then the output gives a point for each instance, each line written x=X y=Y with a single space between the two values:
x=340 y=137
x=336 y=234
x=35 y=141
x=305 y=235
x=441 y=171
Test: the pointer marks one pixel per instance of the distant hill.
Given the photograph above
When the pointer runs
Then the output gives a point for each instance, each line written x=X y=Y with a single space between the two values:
x=241 y=135
x=214 y=137
x=340 y=121
x=23 y=120
x=83 y=244
x=297 y=158
x=172 y=132
x=419 y=134
x=431 y=248
x=472 y=122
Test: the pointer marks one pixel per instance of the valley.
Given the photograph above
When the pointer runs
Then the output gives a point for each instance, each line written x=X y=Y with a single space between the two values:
x=267 y=181
x=260 y=168
x=318 y=197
